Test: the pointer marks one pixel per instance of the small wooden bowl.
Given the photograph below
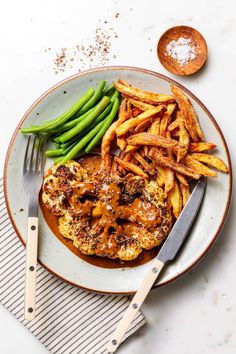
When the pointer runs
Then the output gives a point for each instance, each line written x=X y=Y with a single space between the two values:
x=197 y=41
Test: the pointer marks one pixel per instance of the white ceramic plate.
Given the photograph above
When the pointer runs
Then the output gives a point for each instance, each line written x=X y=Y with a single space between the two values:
x=54 y=255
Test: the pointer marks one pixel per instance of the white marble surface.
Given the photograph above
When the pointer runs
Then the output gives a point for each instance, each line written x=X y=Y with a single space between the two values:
x=197 y=313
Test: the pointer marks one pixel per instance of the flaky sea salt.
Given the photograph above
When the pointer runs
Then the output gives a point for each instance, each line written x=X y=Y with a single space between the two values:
x=181 y=50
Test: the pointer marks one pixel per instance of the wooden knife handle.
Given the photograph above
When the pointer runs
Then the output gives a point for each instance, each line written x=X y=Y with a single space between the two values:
x=30 y=268
x=135 y=305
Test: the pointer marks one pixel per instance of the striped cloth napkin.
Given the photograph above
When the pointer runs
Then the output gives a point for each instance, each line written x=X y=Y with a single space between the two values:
x=68 y=320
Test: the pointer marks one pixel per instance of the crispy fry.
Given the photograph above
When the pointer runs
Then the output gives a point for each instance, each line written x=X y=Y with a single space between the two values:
x=131 y=167
x=141 y=105
x=130 y=148
x=123 y=113
x=106 y=146
x=174 y=125
x=175 y=199
x=133 y=122
x=185 y=190
x=182 y=179
x=129 y=108
x=121 y=143
x=141 y=126
x=110 y=134
x=123 y=82
x=200 y=147
x=199 y=167
x=175 y=134
x=154 y=140
x=161 y=176
x=211 y=160
x=135 y=112
x=166 y=119
x=170 y=180
x=145 y=96
x=148 y=167
x=155 y=127
x=184 y=139
x=188 y=114
x=164 y=161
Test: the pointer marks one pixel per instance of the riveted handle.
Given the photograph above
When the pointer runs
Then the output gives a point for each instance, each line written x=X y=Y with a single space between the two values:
x=135 y=305
x=30 y=268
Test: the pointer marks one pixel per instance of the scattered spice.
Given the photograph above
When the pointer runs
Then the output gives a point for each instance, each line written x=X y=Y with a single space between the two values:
x=181 y=50
x=96 y=52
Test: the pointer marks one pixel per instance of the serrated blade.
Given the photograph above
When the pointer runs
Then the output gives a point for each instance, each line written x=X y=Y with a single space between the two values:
x=182 y=225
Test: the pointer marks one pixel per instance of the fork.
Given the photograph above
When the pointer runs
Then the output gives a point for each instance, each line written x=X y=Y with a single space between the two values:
x=33 y=169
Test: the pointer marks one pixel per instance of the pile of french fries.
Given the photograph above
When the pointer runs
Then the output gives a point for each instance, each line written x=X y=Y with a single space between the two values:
x=159 y=137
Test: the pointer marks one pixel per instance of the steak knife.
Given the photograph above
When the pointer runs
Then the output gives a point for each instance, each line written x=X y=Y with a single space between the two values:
x=167 y=253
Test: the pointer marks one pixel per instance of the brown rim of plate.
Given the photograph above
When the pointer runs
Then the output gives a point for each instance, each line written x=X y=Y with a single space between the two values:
x=152 y=73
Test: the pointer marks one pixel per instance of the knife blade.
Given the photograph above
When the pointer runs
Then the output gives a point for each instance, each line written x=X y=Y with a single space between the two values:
x=167 y=253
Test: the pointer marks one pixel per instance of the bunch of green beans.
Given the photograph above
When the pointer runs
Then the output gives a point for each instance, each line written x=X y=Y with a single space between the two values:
x=79 y=129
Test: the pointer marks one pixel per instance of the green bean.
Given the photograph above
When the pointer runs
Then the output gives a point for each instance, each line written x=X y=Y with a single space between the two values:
x=101 y=117
x=109 y=90
x=94 y=99
x=116 y=94
x=85 y=122
x=64 y=117
x=58 y=159
x=105 y=126
x=56 y=152
x=73 y=123
x=82 y=143
x=69 y=142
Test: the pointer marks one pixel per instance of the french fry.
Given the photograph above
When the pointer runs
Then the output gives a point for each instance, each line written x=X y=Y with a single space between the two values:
x=141 y=105
x=174 y=125
x=155 y=127
x=175 y=134
x=182 y=179
x=200 y=147
x=106 y=146
x=211 y=160
x=161 y=176
x=170 y=175
x=141 y=126
x=170 y=180
x=185 y=190
x=148 y=167
x=130 y=148
x=154 y=140
x=166 y=119
x=145 y=96
x=188 y=114
x=110 y=134
x=175 y=199
x=198 y=167
x=184 y=139
x=133 y=122
x=123 y=82
x=121 y=143
x=129 y=108
x=131 y=167
x=164 y=161
x=135 y=112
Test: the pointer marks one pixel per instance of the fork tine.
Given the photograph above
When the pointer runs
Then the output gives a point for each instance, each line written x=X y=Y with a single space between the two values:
x=26 y=155
x=38 y=155
x=32 y=156
x=44 y=144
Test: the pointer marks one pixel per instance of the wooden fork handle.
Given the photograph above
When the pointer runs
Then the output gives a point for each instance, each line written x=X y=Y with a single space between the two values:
x=31 y=267
x=134 y=306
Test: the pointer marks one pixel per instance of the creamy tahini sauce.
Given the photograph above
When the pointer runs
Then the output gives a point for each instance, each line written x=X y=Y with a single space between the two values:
x=92 y=163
